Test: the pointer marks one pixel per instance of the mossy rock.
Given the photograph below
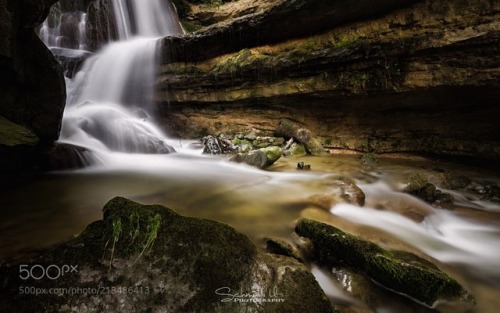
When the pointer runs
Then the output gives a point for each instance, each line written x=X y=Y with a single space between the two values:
x=261 y=158
x=290 y=129
x=420 y=187
x=399 y=271
x=12 y=134
x=369 y=159
x=281 y=247
x=296 y=149
x=167 y=263
x=456 y=182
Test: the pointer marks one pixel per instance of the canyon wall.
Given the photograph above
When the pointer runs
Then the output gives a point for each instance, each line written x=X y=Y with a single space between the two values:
x=398 y=76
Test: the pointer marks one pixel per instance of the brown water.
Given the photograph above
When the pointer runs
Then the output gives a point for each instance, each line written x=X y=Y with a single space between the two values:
x=464 y=241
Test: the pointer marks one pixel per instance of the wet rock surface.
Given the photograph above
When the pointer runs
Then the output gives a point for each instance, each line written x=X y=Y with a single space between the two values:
x=150 y=259
x=343 y=190
x=420 y=187
x=261 y=158
x=401 y=272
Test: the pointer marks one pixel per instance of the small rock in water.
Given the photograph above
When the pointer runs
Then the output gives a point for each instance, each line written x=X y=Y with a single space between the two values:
x=420 y=187
x=303 y=166
x=217 y=145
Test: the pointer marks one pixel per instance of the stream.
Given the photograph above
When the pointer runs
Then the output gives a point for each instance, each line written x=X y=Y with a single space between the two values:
x=463 y=239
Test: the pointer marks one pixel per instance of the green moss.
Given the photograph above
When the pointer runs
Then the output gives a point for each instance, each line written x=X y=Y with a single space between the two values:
x=281 y=247
x=369 y=159
x=12 y=134
x=392 y=269
x=190 y=243
x=273 y=153
x=190 y=26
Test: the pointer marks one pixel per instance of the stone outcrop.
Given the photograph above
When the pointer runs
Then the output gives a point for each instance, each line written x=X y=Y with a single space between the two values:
x=150 y=259
x=399 y=271
x=419 y=78
x=32 y=87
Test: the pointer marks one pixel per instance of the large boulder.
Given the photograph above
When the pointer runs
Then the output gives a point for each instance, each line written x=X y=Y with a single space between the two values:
x=147 y=258
x=32 y=87
x=399 y=271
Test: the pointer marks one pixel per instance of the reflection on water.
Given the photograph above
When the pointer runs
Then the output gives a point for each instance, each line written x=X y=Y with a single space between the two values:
x=464 y=240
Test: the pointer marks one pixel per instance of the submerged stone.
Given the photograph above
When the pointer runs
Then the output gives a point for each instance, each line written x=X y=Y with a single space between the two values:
x=147 y=258
x=343 y=190
x=369 y=159
x=401 y=272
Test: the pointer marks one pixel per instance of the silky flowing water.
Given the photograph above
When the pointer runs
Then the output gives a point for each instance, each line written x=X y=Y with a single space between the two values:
x=110 y=113
x=463 y=240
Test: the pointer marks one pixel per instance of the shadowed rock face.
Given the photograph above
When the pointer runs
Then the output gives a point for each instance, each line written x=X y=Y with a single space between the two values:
x=32 y=87
x=423 y=78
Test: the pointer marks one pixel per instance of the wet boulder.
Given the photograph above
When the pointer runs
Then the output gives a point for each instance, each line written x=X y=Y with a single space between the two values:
x=261 y=158
x=401 y=272
x=147 y=258
x=64 y=156
x=295 y=149
x=217 y=145
x=290 y=129
x=456 y=182
x=420 y=187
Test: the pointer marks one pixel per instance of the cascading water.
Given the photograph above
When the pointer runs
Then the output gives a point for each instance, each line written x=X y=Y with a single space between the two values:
x=109 y=106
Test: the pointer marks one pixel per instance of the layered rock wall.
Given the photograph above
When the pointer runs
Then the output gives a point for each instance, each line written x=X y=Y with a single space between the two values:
x=418 y=77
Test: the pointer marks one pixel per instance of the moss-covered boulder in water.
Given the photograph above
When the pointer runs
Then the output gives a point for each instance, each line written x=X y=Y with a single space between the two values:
x=261 y=158
x=147 y=258
x=399 y=271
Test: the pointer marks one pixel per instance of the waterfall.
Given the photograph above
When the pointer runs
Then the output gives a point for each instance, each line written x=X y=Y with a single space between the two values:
x=109 y=104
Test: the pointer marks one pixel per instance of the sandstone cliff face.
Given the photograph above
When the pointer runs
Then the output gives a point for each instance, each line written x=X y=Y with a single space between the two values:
x=418 y=77
x=32 y=88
